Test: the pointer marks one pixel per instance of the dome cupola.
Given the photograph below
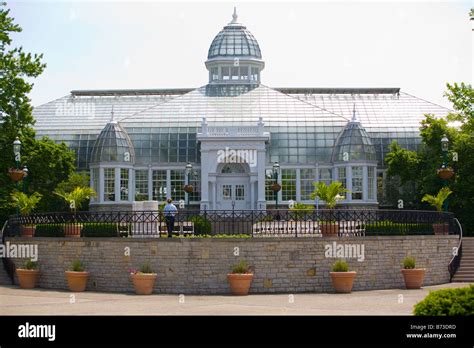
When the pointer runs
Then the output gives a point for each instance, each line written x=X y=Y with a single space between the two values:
x=234 y=56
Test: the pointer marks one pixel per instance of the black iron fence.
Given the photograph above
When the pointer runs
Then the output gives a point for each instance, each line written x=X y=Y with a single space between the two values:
x=267 y=223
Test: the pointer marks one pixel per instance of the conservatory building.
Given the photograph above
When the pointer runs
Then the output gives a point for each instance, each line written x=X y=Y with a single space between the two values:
x=226 y=144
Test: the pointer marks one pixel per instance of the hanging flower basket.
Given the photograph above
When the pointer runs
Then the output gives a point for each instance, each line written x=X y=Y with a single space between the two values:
x=276 y=187
x=188 y=188
x=16 y=174
x=445 y=173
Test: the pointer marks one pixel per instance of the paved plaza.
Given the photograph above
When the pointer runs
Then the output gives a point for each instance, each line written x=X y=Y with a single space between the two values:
x=15 y=301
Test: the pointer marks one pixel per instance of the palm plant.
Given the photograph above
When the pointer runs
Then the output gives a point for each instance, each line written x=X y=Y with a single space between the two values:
x=330 y=194
x=76 y=197
x=26 y=204
x=438 y=200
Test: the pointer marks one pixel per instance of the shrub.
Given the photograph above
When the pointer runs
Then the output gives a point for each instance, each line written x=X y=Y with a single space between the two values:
x=99 y=230
x=31 y=264
x=77 y=266
x=146 y=268
x=49 y=230
x=201 y=225
x=301 y=210
x=241 y=268
x=447 y=302
x=395 y=228
x=340 y=266
x=409 y=263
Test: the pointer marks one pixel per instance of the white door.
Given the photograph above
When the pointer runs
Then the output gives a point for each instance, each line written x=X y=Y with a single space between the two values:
x=233 y=193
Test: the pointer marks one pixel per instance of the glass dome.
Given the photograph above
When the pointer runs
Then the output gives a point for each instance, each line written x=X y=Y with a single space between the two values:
x=113 y=145
x=353 y=144
x=234 y=41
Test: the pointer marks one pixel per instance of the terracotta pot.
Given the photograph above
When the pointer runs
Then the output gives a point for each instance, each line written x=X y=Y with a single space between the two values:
x=343 y=281
x=72 y=230
x=77 y=281
x=329 y=229
x=240 y=283
x=16 y=174
x=188 y=188
x=276 y=187
x=27 y=231
x=143 y=282
x=441 y=229
x=27 y=277
x=413 y=277
x=445 y=173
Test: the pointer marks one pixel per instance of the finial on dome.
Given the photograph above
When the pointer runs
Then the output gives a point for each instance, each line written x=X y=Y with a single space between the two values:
x=354 y=114
x=112 y=120
x=234 y=16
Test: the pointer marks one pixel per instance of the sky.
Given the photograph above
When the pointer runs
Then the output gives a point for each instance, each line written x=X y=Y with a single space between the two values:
x=417 y=46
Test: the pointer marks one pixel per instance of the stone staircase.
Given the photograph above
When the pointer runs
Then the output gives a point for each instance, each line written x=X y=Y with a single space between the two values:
x=465 y=272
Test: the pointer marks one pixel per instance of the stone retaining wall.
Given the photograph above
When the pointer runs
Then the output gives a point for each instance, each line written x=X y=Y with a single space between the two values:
x=200 y=265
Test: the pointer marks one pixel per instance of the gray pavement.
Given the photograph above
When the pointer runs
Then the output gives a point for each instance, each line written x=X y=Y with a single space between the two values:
x=15 y=301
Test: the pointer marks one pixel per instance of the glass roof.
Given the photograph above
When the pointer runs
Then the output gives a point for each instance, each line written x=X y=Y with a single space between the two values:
x=113 y=145
x=353 y=144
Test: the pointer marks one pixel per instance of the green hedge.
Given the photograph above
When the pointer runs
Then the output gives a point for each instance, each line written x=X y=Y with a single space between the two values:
x=49 y=230
x=99 y=230
x=201 y=225
x=447 y=302
x=395 y=228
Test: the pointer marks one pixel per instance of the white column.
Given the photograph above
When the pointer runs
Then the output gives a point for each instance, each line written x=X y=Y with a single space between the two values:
x=101 y=185
x=365 y=184
x=349 y=182
x=117 y=184
x=298 y=185
x=168 y=183
x=150 y=183
x=261 y=179
x=131 y=185
x=204 y=179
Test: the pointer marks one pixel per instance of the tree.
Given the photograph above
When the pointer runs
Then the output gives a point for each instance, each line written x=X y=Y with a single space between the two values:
x=48 y=163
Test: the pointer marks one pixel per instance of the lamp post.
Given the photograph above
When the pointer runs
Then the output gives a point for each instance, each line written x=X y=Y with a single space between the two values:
x=17 y=152
x=25 y=178
x=276 y=171
x=188 y=188
x=444 y=150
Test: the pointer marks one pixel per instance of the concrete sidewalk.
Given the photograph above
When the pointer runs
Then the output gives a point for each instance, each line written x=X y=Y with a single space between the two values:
x=15 y=301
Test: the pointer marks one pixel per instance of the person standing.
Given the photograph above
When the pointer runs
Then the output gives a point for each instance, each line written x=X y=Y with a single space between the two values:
x=170 y=212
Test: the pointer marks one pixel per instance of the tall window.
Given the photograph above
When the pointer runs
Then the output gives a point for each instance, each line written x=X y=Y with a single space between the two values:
x=254 y=75
x=141 y=184
x=235 y=73
x=244 y=72
x=357 y=183
x=159 y=185
x=341 y=176
x=325 y=175
x=123 y=184
x=95 y=180
x=214 y=74
x=225 y=71
x=195 y=180
x=307 y=177
x=269 y=181
x=288 y=183
x=177 y=185
x=371 y=182
x=109 y=184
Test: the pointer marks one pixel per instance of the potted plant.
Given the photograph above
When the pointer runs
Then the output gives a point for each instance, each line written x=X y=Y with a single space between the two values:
x=330 y=194
x=445 y=172
x=16 y=174
x=28 y=276
x=143 y=280
x=413 y=276
x=188 y=188
x=437 y=201
x=75 y=199
x=342 y=278
x=77 y=277
x=26 y=204
x=240 y=279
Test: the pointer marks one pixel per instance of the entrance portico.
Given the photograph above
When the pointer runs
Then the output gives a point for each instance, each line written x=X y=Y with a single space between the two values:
x=233 y=166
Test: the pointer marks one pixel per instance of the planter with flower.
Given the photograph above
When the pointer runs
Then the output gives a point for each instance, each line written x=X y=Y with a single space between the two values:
x=441 y=227
x=26 y=204
x=75 y=199
x=77 y=277
x=342 y=279
x=28 y=275
x=330 y=194
x=240 y=279
x=143 y=279
x=413 y=276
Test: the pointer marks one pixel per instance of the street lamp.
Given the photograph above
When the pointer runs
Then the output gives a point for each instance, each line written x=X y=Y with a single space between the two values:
x=17 y=151
x=188 y=188
x=444 y=149
x=444 y=144
x=276 y=171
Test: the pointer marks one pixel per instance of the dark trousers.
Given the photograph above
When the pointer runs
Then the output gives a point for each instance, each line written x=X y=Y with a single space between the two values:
x=169 y=224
